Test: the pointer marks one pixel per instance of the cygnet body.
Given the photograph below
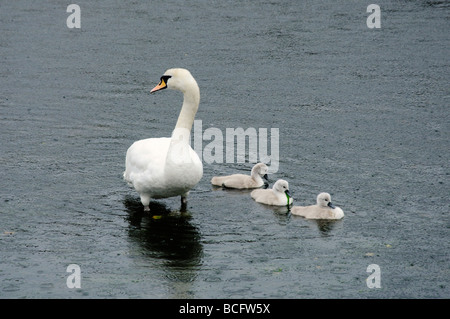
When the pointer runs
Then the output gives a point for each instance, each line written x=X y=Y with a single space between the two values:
x=242 y=181
x=278 y=195
x=324 y=209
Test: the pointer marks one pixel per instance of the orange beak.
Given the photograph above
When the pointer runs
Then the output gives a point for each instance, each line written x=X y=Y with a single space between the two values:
x=160 y=86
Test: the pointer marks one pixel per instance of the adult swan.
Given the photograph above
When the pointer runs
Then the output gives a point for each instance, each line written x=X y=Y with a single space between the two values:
x=166 y=167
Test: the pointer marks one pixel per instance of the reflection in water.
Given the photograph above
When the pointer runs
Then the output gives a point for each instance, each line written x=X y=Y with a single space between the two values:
x=281 y=213
x=166 y=236
x=325 y=226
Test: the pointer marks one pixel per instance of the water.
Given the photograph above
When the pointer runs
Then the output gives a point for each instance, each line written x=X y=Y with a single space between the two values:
x=363 y=115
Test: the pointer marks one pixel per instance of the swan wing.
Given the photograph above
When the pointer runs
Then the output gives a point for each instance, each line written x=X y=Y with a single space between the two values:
x=144 y=164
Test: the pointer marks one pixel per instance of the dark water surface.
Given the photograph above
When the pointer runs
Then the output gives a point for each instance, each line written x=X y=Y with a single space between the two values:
x=362 y=114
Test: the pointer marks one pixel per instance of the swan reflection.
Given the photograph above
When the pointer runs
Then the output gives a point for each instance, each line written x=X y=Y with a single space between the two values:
x=165 y=235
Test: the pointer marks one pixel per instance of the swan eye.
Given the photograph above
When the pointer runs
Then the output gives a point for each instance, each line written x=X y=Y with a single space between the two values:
x=164 y=80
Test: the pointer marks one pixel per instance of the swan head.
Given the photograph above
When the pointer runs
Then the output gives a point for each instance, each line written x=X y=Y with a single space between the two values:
x=324 y=200
x=261 y=169
x=282 y=186
x=176 y=79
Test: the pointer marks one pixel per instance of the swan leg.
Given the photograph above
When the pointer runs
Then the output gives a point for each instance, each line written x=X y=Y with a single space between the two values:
x=145 y=200
x=184 y=202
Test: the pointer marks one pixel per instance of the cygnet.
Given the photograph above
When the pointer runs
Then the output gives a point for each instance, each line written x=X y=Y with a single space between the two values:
x=278 y=195
x=242 y=181
x=324 y=209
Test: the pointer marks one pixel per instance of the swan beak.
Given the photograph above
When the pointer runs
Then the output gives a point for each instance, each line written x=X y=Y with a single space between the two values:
x=266 y=177
x=331 y=205
x=287 y=193
x=160 y=86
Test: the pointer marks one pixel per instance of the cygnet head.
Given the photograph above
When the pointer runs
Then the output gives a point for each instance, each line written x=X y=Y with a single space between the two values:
x=261 y=169
x=282 y=186
x=324 y=200
x=176 y=79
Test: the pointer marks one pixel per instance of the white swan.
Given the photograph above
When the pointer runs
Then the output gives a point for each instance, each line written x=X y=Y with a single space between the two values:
x=323 y=210
x=166 y=167
x=278 y=196
x=242 y=181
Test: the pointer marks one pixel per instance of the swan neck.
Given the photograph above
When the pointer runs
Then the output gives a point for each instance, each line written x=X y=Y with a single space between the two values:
x=255 y=175
x=189 y=109
x=179 y=153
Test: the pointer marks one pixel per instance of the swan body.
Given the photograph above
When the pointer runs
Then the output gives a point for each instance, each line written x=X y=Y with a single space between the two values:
x=278 y=195
x=167 y=166
x=324 y=209
x=242 y=181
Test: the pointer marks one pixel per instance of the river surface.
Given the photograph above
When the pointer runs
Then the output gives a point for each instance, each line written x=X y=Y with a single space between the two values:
x=362 y=113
